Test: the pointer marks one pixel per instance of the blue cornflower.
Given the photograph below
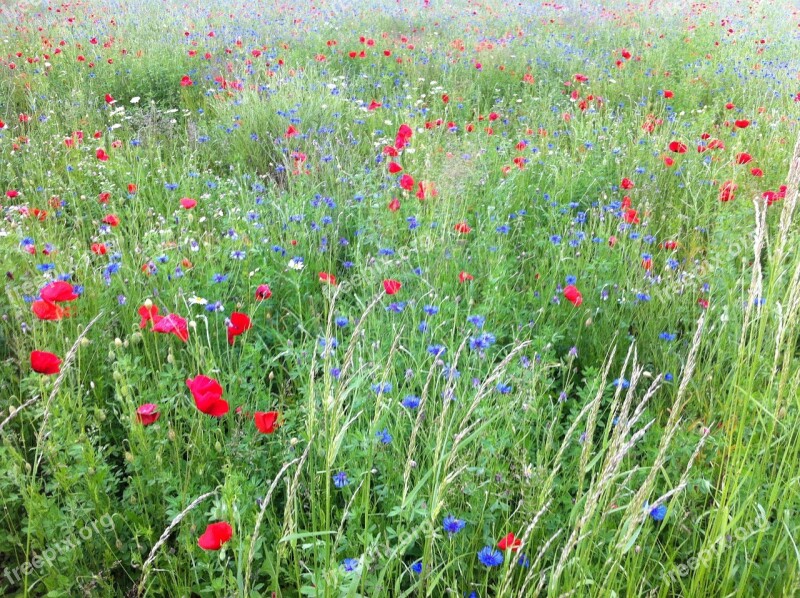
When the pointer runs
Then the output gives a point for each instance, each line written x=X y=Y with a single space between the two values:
x=489 y=556
x=431 y=310
x=417 y=567
x=667 y=336
x=218 y=278
x=410 y=402
x=384 y=436
x=658 y=513
x=504 y=389
x=340 y=480
x=341 y=321
x=452 y=525
x=384 y=388
x=571 y=279
x=476 y=321
x=350 y=564
x=481 y=342
x=621 y=382
x=437 y=350
x=668 y=377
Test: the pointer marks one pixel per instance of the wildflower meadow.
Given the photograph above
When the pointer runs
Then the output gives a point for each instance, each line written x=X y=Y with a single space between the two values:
x=399 y=298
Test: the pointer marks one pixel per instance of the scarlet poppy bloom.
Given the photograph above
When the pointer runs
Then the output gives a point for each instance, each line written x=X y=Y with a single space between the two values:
x=573 y=295
x=101 y=154
x=187 y=203
x=426 y=189
x=394 y=205
x=172 y=324
x=148 y=314
x=463 y=228
x=186 y=81
x=677 y=147
x=266 y=421
x=239 y=324
x=46 y=310
x=407 y=182
x=58 y=291
x=390 y=151
x=99 y=248
x=290 y=131
x=757 y=172
x=263 y=292
x=111 y=220
x=12 y=194
x=394 y=168
x=743 y=158
x=147 y=414
x=509 y=542
x=668 y=94
x=207 y=394
x=391 y=286
x=668 y=162
x=374 y=105
x=726 y=190
x=215 y=536
x=742 y=124
x=631 y=216
x=132 y=188
x=464 y=277
x=110 y=99
x=327 y=278
x=627 y=184
x=46 y=363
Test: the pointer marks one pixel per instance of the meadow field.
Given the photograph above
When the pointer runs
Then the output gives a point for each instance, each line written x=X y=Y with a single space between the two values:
x=399 y=299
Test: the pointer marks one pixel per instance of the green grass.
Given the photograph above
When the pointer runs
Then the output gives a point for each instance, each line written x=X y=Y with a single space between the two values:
x=563 y=424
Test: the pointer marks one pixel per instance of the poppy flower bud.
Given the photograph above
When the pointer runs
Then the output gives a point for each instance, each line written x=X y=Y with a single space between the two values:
x=218 y=445
x=117 y=342
x=171 y=434
x=112 y=356
x=170 y=358
x=136 y=338
x=128 y=457
x=148 y=303
x=85 y=342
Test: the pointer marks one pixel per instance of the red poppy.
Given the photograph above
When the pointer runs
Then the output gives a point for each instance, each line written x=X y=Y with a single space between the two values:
x=207 y=394
x=390 y=151
x=147 y=414
x=742 y=124
x=290 y=131
x=12 y=194
x=239 y=324
x=266 y=421
x=46 y=363
x=426 y=189
x=101 y=154
x=627 y=184
x=45 y=310
x=99 y=248
x=110 y=99
x=573 y=295
x=668 y=162
x=327 y=278
x=187 y=203
x=394 y=205
x=743 y=158
x=186 y=81
x=391 y=286
x=263 y=292
x=463 y=228
x=668 y=94
x=215 y=536
x=464 y=277
x=726 y=190
x=394 y=168
x=132 y=188
x=58 y=291
x=757 y=172
x=148 y=314
x=407 y=182
x=172 y=324
x=374 y=105
x=111 y=220
x=509 y=542
x=677 y=147
x=631 y=216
